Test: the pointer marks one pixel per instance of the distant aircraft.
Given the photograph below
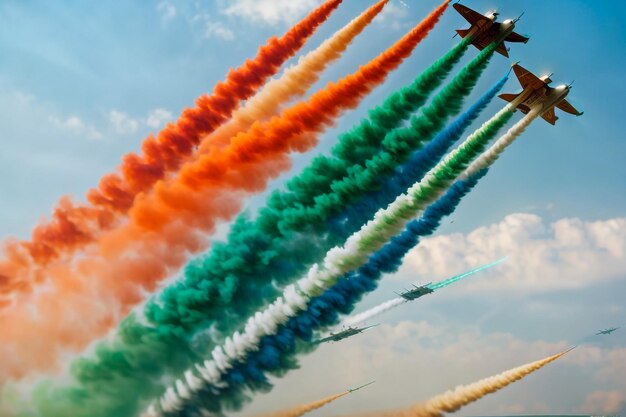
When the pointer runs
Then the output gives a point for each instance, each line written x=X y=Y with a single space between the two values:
x=607 y=331
x=362 y=386
x=416 y=293
x=485 y=29
x=344 y=334
x=536 y=94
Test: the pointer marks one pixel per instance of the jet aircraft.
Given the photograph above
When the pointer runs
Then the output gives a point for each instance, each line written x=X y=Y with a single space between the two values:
x=607 y=331
x=536 y=94
x=485 y=29
x=417 y=292
x=344 y=334
x=362 y=386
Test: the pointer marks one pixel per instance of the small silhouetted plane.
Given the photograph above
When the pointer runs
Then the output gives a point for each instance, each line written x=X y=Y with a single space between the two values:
x=344 y=334
x=416 y=292
x=607 y=331
x=485 y=29
x=362 y=386
x=536 y=94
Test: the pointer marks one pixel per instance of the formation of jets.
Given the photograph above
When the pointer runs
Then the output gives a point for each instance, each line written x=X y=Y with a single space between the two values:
x=607 y=331
x=536 y=93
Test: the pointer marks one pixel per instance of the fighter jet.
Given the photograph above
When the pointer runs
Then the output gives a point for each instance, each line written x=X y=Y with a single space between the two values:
x=607 y=331
x=344 y=334
x=362 y=386
x=417 y=292
x=536 y=94
x=485 y=29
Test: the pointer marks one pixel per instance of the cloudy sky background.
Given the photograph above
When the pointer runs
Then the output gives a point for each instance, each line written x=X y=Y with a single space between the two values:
x=81 y=84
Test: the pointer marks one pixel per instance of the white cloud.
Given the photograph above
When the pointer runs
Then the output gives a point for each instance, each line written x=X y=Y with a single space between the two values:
x=166 y=10
x=157 y=118
x=392 y=14
x=211 y=28
x=604 y=402
x=569 y=253
x=219 y=30
x=122 y=123
x=270 y=12
x=75 y=125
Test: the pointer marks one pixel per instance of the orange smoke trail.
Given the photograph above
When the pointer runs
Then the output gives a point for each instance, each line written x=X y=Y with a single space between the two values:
x=73 y=226
x=463 y=395
x=294 y=83
x=243 y=164
x=85 y=298
x=302 y=409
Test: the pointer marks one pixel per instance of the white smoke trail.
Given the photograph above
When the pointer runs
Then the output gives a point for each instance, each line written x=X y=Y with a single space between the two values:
x=338 y=261
x=374 y=311
x=395 y=302
x=493 y=153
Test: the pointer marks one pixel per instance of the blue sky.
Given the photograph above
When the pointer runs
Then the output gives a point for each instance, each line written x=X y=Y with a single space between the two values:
x=83 y=83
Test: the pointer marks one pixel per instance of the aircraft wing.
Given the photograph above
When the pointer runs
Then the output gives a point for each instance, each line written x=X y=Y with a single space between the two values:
x=549 y=116
x=326 y=339
x=524 y=76
x=367 y=327
x=568 y=108
x=516 y=37
x=468 y=14
x=508 y=97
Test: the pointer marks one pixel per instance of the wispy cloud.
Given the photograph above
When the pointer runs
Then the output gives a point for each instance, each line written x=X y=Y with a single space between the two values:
x=77 y=126
x=270 y=12
x=604 y=402
x=157 y=118
x=568 y=253
x=393 y=14
x=166 y=10
x=124 y=124
x=211 y=28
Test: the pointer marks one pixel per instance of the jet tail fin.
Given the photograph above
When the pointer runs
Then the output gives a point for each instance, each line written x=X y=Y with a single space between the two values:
x=501 y=49
x=568 y=108
x=550 y=117
x=462 y=32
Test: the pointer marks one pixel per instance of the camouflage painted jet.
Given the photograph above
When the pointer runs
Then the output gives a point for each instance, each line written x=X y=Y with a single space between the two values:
x=607 y=331
x=344 y=334
x=417 y=292
x=536 y=94
x=485 y=29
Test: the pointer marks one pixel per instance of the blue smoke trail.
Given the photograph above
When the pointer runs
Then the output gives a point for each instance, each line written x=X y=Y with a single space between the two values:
x=421 y=161
x=277 y=354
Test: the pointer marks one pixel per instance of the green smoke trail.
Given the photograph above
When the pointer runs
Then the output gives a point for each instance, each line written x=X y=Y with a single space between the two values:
x=190 y=393
x=129 y=368
x=263 y=251
x=396 y=148
x=459 y=277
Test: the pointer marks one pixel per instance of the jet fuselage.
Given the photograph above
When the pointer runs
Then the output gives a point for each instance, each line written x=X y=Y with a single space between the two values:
x=544 y=98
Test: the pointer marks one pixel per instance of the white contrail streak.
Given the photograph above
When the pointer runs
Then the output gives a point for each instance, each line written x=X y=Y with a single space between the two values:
x=374 y=311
